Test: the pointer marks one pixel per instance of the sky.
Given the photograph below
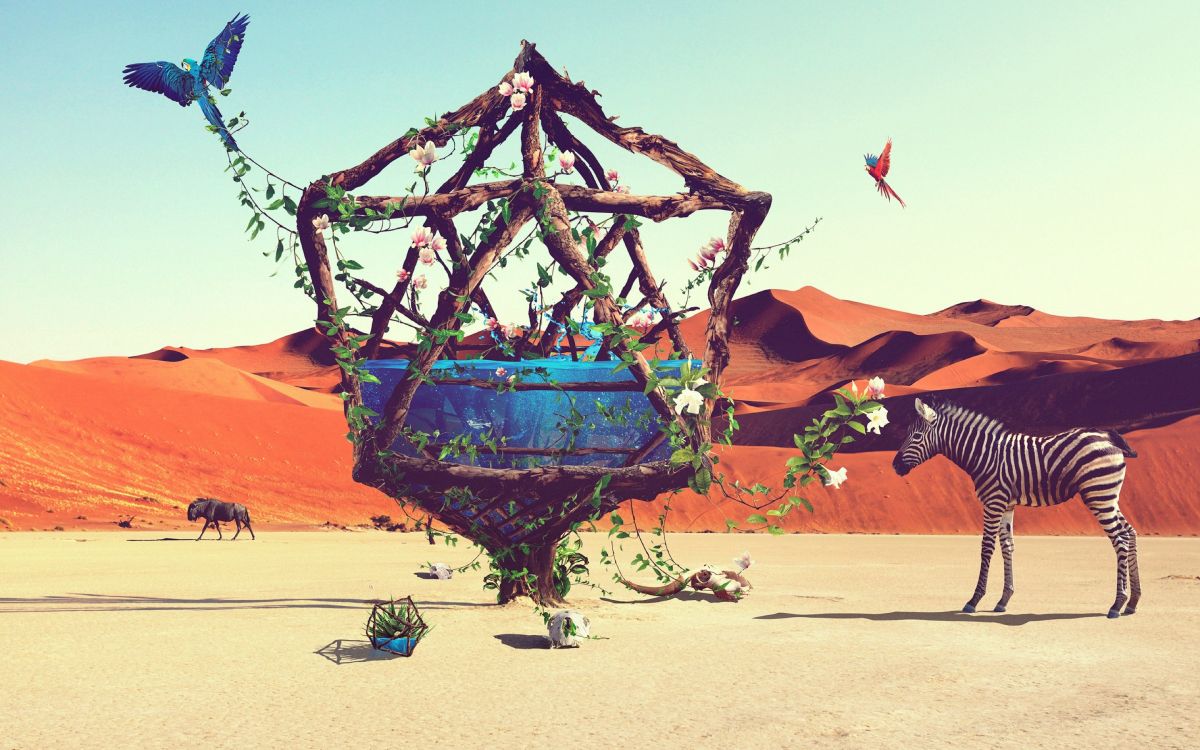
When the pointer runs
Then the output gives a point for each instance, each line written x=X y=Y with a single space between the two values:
x=1044 y=149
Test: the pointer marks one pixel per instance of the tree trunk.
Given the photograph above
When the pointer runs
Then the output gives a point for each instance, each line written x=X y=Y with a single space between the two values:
x=538 y=583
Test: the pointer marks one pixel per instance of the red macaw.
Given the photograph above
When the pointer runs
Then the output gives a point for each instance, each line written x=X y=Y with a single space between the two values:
x=877 y=167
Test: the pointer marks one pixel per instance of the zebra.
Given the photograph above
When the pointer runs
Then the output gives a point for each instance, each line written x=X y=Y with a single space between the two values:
x=1010 y=469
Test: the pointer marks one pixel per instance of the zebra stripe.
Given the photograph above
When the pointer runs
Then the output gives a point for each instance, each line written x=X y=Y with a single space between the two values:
x=1011 y=469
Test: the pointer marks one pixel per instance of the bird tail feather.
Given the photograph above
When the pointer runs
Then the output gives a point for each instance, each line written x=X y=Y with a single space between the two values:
x=886 y=191
x=213 y=115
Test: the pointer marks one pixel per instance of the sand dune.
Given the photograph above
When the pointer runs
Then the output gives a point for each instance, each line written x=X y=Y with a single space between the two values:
x=111 y=437
x=76 y=444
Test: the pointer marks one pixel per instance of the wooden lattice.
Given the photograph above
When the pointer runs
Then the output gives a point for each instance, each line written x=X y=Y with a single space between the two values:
x=553 y=96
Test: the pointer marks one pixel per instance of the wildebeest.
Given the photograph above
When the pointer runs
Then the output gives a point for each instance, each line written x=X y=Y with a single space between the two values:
x=215 y=511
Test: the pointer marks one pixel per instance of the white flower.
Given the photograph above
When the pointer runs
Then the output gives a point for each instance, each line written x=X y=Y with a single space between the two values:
x=424 y=156
x=877 y=420
x=834 y=479
x=566 y=160
x=426 y=256
x=438 y=243
x=501 y=372
x=321 y=223
x=505 y=88
x=690 y=400
x=875 y=387
x=517 y=101
x=743 y=561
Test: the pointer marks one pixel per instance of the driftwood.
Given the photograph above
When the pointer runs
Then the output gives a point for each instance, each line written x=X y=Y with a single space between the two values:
x=553 y=497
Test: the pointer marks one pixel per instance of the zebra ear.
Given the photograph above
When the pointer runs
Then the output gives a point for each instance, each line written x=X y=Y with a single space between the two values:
x=928 y=414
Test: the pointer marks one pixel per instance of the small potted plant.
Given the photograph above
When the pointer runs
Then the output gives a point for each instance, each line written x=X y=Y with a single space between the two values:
x=396 y=626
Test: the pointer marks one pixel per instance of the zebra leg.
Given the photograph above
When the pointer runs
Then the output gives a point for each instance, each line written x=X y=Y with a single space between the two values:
x=991 y=527
x=1103 y=506
x=1006 y=548
x=1135 y=580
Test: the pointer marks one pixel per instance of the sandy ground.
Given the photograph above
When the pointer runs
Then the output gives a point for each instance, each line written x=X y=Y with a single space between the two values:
x=117 y=640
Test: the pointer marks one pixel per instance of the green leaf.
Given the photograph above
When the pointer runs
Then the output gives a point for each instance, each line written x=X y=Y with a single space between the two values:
x=756 y=518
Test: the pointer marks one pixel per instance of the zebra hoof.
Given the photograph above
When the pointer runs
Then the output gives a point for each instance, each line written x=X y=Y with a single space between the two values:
x=1129 y=611
x=969 y=608
x=1000 y=608
x=1114 y=614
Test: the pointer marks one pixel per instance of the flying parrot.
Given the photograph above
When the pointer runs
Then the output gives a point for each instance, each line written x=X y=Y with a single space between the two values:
x=190 y=83
x=877 y=167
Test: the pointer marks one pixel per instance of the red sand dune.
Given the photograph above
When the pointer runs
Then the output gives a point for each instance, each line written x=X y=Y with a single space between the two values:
x=1159 y=496
x=111 y=437
x=76 y=444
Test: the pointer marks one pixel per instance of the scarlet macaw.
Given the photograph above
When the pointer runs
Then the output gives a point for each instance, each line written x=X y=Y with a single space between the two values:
x=190 y=83
x=877 y=167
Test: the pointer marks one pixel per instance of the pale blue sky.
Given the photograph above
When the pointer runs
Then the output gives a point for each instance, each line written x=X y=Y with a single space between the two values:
x=1045 y=149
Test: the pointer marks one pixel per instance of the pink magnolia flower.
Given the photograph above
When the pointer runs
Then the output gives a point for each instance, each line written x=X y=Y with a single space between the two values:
x=612 y=176
x=517 y=101
x=621 y=189
x=510 y=331
x=692 y=263
x=424 y=156
x=875 y=387
x=506 y=88
x=321 y=223
x=402 y=275
x=419 y=282
x=501 y=372
x=523 y=82
x=426 y=256
x=438 y=243
x=422 y=237
x=743 y=561
x=716 y=245
x=566 y=160
x=492 y=324
x=640 y=321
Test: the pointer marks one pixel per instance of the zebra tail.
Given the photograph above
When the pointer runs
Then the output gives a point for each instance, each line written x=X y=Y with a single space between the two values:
x=1119 y=441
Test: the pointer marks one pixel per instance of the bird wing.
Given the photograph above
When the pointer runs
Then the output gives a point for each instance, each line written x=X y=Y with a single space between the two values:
x=885 y=159
x=163 y=78
x=221 y=53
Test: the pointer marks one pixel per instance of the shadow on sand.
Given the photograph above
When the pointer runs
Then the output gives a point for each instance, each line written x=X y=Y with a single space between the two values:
x=117 y=603
x=686 y=595
x=168 y=539
x=997 y=618
x=353 y=652
x=523 y=640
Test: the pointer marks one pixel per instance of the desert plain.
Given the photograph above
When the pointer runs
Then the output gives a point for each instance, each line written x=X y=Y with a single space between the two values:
x=150 y=639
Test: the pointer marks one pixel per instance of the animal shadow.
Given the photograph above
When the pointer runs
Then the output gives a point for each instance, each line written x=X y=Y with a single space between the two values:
x=1010 y=619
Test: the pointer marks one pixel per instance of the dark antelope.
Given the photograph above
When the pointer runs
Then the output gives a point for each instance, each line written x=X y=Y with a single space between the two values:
x=215 y=511
x=1011 y=469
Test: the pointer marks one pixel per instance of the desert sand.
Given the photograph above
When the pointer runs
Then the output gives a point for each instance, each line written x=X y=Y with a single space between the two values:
x=118 y=640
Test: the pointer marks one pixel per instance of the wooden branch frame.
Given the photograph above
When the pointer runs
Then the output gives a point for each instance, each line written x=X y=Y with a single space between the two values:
x=531 y=197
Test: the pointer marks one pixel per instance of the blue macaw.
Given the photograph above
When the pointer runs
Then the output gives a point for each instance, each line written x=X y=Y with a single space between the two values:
x=190 y=83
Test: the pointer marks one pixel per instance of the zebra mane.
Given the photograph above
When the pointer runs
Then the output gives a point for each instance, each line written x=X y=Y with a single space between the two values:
x=956 y=411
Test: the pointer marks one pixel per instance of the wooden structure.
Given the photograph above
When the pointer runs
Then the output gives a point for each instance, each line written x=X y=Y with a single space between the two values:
x=558 y=495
